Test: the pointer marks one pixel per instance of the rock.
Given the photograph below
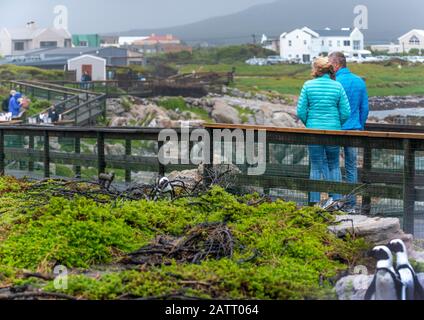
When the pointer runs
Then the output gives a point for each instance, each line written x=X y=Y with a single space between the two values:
x=283 y=120
x=119 y=121
x=223 y=113
x=115 y=149
x=237 y=93
x=354 y=287
x=375 y=230
x=191 y=178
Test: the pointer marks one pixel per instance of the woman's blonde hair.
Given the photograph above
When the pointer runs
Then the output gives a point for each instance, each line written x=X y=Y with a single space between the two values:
x=322 y=66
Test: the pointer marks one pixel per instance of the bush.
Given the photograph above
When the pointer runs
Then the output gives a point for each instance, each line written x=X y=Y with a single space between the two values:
x=280 y=252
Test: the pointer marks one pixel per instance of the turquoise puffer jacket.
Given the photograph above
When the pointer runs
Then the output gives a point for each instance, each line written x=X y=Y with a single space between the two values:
x=323 y=104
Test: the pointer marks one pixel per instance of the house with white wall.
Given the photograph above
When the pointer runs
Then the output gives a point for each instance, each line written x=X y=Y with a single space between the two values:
x=16 y=41
x=303 y=45
x=93 y=65
x=414 y=39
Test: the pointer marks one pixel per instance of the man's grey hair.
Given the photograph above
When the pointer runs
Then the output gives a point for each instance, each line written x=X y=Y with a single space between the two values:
x=338 y=58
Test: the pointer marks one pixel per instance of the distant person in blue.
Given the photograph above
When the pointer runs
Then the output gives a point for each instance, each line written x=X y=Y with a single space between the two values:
x=5 y=104
x=357 y=94
x=15 y=104
x=86 y=79
x=323 y=104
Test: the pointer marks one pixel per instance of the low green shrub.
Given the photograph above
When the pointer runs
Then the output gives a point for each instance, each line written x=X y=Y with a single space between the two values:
x=280 y=251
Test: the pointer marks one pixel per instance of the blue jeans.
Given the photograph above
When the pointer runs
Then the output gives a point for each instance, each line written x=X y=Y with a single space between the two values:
x=351 y=164
x=325 y=165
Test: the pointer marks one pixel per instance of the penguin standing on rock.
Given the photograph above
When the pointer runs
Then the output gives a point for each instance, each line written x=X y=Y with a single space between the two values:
x=386 y=284
x=414 y=290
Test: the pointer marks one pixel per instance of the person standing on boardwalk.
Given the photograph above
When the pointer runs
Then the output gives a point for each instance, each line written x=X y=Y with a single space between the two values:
x=323 y=104
x=357 y=94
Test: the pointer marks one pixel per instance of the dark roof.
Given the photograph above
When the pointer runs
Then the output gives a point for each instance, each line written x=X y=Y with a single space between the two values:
x=334 y=33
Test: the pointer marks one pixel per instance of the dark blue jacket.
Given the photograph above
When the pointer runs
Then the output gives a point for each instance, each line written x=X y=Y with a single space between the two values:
x=14 y=106
x=356 y=91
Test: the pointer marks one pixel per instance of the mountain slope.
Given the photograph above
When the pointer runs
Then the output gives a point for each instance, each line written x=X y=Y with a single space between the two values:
x=387 y=20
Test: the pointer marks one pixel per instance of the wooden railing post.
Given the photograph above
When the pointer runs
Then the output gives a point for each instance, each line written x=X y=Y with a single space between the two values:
x=409 y=186
x=366 y=168
x=208 y=167
x=162 y=168
x=128 y=152
x=78 y=152
x=2 y=154
x=46 y=155
x=31 y=149
x=101 y=153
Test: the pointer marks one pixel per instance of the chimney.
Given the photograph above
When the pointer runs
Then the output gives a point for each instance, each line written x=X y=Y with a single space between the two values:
x=31 y=25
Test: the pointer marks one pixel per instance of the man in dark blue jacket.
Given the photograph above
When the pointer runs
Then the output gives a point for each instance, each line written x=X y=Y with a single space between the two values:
x=15 y=105
x=357 y=94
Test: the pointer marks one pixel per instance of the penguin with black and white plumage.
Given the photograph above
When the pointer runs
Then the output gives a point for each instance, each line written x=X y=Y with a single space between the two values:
x=386 y=284
x=414 y=290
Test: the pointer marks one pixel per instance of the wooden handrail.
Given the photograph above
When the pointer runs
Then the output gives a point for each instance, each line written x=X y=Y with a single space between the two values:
x=370 y=134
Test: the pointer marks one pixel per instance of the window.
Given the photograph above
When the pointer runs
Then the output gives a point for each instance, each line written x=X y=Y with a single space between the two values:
x=305 y=42
x=330 y=43
x=323 y=42
x=346 y=43
x=48 y=44
x=83 y=43
x=19 y=46
x=414 y=41
x=356 y=45
x=338 y=43
x=290 y=43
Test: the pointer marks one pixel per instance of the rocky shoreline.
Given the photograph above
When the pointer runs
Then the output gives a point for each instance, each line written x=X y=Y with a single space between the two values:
x=234 y=106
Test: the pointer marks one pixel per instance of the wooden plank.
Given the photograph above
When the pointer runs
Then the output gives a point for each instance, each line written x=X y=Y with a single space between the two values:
x=368 y=134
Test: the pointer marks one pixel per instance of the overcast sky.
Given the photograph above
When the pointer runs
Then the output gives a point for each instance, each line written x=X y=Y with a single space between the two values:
x=118 y=15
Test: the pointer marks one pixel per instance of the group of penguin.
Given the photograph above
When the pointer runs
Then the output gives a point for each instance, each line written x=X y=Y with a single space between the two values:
x=394 y=283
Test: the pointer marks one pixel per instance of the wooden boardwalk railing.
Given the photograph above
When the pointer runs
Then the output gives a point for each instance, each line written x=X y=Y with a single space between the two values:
x=402 y=182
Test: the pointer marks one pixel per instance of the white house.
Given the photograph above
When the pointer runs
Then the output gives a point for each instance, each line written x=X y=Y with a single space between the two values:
x=95 y=66
x=305 y=44
x=414 y=39
x=272 y=44
x=391 y=48
x=19 y=40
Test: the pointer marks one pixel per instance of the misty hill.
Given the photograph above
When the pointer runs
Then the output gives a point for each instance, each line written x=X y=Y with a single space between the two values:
x=387 y=20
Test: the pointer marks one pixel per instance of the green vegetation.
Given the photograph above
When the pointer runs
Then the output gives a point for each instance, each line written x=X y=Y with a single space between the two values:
x=382 y=80
x=245 y=113
x=216 y=55
x=12 y=72
x=280 y=251
x=179 y=105
x=38 y=106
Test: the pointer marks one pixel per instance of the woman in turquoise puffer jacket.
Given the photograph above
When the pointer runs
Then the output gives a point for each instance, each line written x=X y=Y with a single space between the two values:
x=323 y=104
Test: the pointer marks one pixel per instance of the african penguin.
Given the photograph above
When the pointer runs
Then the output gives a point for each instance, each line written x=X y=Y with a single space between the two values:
x=414 y=290
x=386 y=284
x=165 y=185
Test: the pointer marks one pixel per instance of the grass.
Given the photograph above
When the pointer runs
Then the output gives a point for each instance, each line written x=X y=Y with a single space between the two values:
x=288 y=79
x=178 y=104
